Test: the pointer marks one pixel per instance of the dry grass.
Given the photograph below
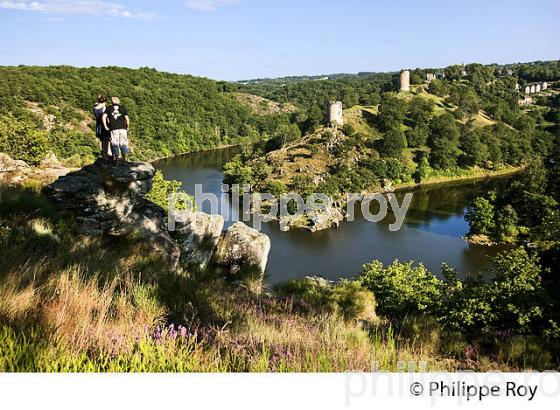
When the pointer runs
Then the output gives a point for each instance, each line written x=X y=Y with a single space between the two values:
x=76 y=304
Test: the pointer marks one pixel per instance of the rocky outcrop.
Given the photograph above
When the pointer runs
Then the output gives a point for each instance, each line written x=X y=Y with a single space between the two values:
x=480 y=239
x=241 y=252
x=107 y=198
x=7 y=164
x=325 y=218
x=16 y=171
x=198 y=235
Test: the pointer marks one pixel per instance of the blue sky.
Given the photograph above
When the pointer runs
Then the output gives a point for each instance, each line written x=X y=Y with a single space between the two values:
x=241 y=39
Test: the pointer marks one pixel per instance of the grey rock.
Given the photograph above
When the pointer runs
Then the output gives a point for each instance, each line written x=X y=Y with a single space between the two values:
x=7 y=164
x=325 y=218
x=198 y=235
x=242 y=251
x=108 y=199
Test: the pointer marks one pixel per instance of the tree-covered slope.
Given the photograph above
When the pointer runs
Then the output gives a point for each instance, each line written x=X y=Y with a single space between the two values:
x=170 y=113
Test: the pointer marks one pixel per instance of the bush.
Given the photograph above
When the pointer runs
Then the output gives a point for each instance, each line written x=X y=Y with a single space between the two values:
x=401 y=288
x=20 y=139
x=162 y=189
x=512 y=300
x=237 y=173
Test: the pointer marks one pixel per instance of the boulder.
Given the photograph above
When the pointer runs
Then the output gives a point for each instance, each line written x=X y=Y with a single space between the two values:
x=198 y=235
x=16 y=171
x=242 y=251
x=50 y=161
x=108 y=199
x=51 y=168
x=7 y=164
x=325 y=218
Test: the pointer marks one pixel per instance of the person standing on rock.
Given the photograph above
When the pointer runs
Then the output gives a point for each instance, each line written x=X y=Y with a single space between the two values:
x=101 y=132
x=116 y=120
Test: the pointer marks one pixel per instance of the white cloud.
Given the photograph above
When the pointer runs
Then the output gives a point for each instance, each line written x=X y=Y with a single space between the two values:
x=207 y=5
x=78 y=8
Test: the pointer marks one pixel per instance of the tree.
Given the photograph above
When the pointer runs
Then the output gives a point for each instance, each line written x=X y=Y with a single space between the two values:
x=420 y=110
x=453 y=72
x=162 y=189
x=392 y=111
x=401 y=288
x=444 y=154
x=235 y=172
x=439 y=88
x=466 y=100
x=473 y=151
x=424 y=170
x=21 y=140
x=418 y=136
x=303 y=185
x=393 y=144
x=444 y=142
x=480 y=216
x=283 y=135
x=516 y=293
x=260 y=170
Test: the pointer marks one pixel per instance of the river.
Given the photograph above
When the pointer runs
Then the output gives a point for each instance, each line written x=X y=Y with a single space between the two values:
x=431 y=234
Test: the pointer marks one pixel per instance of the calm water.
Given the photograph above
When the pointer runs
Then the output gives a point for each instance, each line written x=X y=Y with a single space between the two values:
x=431 y=232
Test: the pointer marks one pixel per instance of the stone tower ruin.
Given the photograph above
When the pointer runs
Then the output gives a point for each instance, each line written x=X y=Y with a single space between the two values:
x=404 y=80
x=334 y=113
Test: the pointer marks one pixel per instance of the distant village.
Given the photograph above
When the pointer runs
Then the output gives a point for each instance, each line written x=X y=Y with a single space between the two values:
x=526 y=93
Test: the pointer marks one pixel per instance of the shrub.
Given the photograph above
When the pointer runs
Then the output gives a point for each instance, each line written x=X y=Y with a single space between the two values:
x=512 y=300
x=20 y=139
x=237 y=173
x=402 y=288
x=260 y=170
x=162 y=189
x=276 y=188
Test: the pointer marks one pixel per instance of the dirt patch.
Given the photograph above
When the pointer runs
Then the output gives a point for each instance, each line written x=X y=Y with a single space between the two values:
x=263 y=106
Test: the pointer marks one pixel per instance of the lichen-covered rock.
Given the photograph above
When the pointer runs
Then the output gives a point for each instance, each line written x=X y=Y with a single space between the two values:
x=198 y=235
x=7 y=164
x=242 y=251
x=325 y=218
x=16 y=171
x=108 y=199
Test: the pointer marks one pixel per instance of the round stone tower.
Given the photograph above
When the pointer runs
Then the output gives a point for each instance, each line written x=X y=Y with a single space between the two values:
x=404 y=81
x=334 y=113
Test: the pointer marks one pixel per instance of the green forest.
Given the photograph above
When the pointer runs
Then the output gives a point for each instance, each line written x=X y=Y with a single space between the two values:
x=170 y=114
x=459 y=125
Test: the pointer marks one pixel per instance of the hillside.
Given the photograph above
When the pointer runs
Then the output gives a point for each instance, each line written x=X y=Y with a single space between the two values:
x=170 y=113
x=411 y=137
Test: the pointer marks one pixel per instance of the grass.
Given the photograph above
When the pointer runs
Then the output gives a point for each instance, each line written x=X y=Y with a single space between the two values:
x=76 y=304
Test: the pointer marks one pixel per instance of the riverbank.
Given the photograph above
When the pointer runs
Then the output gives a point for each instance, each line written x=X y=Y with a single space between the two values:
x=478 y=175
x=153 y=161
x=335 y=215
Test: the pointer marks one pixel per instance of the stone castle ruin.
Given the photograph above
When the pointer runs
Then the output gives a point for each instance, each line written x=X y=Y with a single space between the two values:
x=404 y=81
x=334 y=113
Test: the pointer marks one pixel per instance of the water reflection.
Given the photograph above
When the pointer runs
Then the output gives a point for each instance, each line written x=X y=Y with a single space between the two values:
x=431 y=233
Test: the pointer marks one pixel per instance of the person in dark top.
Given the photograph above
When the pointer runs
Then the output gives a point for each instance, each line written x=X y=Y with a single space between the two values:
x=116 y=121
x=101 y=133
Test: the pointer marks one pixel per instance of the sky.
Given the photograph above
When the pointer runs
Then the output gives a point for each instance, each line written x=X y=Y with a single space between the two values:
x=245 y=39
